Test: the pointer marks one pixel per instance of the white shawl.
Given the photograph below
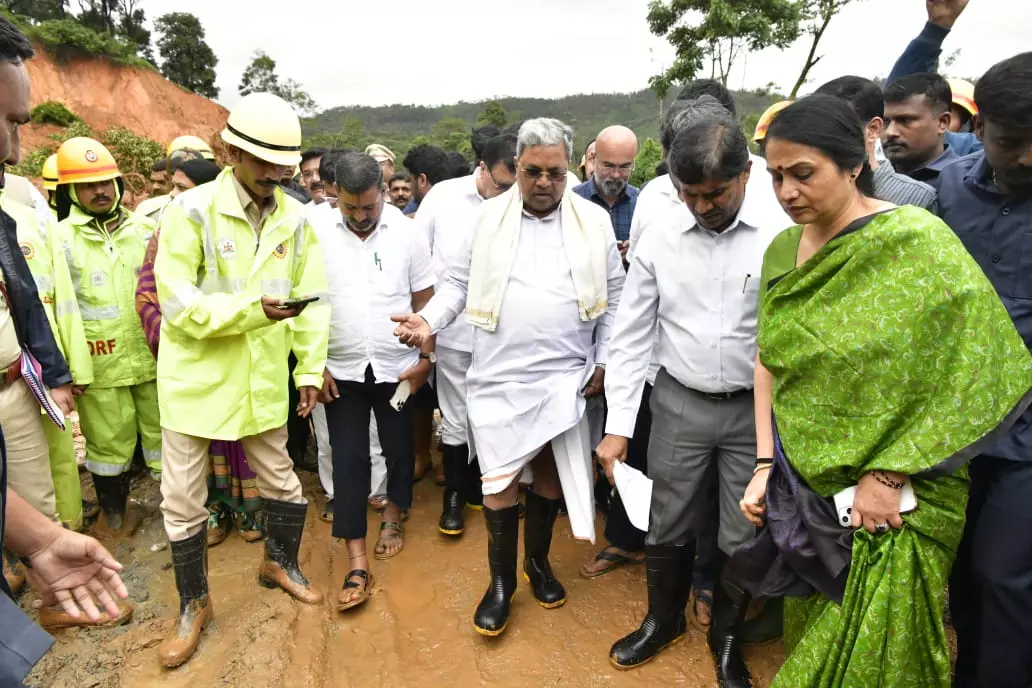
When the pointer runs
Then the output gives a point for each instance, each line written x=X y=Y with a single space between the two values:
x=494 y=250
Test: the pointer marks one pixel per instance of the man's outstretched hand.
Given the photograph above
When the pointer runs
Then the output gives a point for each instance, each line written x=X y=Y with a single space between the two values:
x=412 y=329
x=944 y=13
x=75 y=571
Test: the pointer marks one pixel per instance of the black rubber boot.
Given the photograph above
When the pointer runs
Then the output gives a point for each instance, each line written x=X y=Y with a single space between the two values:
x=767 y=626
x=190 y=561
x=503 y=530
x=284 y=524
x=668 y=573
x=452 y=522
x=537 y=540
x=473 y=486
x=730 y=604
x=112 y=497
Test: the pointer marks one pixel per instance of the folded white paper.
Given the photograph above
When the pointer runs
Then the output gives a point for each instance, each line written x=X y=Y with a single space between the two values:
x=635 y=490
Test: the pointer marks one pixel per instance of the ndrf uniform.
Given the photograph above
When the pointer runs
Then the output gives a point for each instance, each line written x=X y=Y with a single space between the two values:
x=122 y=401
x=46 y=261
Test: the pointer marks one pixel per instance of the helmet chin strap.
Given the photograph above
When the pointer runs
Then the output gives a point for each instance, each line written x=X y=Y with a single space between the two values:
x=103 y=217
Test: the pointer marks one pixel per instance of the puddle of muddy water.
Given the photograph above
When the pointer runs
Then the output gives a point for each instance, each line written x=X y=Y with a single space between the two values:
x=416 y=629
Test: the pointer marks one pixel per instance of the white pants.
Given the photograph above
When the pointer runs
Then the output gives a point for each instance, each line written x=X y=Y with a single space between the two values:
x=452 y=365
x=378 y=480
x=572 y=451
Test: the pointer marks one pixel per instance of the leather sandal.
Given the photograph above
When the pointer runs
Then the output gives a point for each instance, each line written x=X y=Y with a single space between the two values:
x=55 y=618
x=704 y=598
x=613 y=559
x=399 y=531
x=368 y=581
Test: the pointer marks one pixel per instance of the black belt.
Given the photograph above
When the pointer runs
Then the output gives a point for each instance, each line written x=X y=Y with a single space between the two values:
x=721 y=396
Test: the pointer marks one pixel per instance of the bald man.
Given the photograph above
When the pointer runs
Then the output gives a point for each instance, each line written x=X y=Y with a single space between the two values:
x=609 y=187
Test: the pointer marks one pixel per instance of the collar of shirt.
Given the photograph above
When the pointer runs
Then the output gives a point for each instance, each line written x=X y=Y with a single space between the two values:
x=932 y=169
x=982 y=176
x=473 y=191
x=255 y=215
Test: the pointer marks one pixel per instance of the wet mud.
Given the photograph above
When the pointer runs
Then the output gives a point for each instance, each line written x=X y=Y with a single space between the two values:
x=416 y=629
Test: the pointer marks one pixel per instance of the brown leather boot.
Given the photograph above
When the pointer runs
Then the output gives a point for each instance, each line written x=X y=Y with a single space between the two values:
x=55 y=618
x=284 y=524
x=190 y=559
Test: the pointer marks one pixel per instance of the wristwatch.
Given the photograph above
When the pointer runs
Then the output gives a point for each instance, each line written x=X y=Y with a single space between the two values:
x=432 y=356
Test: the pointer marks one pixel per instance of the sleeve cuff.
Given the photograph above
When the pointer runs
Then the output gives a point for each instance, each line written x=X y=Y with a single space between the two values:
x=432 y=313
x=621 y=422
x=308 y=381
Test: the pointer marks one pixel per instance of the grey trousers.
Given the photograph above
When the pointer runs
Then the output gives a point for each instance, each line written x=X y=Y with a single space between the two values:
x=698 y=445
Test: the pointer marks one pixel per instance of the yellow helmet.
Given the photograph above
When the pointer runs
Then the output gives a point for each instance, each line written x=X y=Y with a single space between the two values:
x=766 y=118
x=963 y=95
x=265 y=126
x=50 y=173
x=193 y=143
x=82 y=160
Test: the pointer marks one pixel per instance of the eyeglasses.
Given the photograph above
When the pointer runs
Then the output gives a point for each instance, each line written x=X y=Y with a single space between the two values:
x=555 y=174
x=502 y=188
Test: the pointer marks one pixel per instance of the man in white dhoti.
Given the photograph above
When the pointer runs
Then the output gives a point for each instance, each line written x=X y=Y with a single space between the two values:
x=539 y=281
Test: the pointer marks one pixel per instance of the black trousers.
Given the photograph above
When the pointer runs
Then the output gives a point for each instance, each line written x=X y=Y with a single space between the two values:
x=991 y=582
x=298 y=428
x=619 y=530
x=347 y=419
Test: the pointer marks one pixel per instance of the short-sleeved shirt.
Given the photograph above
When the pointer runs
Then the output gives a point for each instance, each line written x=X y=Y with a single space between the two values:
x=369 y=281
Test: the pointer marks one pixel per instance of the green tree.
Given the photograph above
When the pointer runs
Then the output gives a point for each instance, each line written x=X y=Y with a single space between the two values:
x=451 y=134
x=132 y=27
x=186 y=59
x=260 y=76
x=649 y=155
x=492 y=114
x=817 y=14
x=39 y=10
x=718 y=31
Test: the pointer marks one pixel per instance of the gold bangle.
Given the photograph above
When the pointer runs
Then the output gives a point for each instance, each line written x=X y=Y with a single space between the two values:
x=761 y=466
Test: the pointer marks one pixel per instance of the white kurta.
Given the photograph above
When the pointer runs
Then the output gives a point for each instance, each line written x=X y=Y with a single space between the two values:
x=524 y=385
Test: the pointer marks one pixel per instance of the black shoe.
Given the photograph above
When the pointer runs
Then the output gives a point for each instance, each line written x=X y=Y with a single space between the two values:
x=503 y=529
x=765 y=628
x=730 y=604
x=668 y=570
x=112 y=497
x=284 y=524
x=473 y=487
x=537 y=540
x=454 y=462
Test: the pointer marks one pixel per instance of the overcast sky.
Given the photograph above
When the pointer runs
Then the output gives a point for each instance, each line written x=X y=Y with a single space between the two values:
x=370 y=52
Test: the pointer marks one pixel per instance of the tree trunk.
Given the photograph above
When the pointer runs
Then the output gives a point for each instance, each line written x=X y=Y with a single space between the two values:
x=811 y=61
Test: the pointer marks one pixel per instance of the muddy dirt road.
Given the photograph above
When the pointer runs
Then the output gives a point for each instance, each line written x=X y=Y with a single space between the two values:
x=415 y=631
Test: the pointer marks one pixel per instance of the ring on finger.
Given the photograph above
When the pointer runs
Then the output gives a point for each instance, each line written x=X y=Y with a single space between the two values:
x=881 y=527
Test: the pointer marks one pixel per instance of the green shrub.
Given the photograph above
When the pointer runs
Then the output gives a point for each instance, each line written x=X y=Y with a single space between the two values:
x=53 y=112
x=31 y=165
x=134 y=155
x=66 y=39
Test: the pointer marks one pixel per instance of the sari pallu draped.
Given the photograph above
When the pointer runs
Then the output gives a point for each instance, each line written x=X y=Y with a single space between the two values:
x=889 y=350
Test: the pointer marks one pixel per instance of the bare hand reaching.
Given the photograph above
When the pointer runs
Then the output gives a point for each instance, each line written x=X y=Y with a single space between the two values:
x=611 y=449
x=944 y=13
x=75 y=571
x=412 y=329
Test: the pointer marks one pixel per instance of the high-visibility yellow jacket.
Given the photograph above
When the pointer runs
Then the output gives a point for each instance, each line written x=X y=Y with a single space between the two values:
x=37 y=239
x=222 y=364
x=105 y=268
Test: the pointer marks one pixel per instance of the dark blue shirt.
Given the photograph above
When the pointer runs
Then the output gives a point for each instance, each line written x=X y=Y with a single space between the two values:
x=930 y=172
x=620 y=214
x=413 y=206
x=922 y=56
x=996 y=228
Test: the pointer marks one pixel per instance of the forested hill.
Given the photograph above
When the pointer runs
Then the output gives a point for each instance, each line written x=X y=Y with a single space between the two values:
x=397 y=126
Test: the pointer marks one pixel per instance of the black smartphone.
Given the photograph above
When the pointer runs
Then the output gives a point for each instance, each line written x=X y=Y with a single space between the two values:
x=296 y=303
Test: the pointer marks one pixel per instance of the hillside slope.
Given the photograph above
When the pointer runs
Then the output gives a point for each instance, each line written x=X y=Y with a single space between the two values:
x=107 y=95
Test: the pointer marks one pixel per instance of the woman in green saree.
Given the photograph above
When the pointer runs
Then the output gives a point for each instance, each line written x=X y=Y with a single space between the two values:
x=885 y=357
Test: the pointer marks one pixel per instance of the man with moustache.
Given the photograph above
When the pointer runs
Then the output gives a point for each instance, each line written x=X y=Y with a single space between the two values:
x=448 y=216
x=615 y=150
x=693 y=279
x=237 y=259
x=986 y=198
x=917 y=117
x=539 y=281
x=310 y=179
x=377 y=264
x=399 y=186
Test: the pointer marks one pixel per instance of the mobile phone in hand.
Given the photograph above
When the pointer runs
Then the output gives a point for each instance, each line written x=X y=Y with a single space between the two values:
x=297 y=303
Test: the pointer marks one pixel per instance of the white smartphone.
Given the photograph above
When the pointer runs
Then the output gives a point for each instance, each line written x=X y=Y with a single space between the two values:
x=401 y=395
x=844 y=503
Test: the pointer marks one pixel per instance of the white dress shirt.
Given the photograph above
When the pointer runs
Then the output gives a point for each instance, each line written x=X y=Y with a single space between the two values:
x=448 y=215
x=699 y=289
x=369 y=281
x=524 y=386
